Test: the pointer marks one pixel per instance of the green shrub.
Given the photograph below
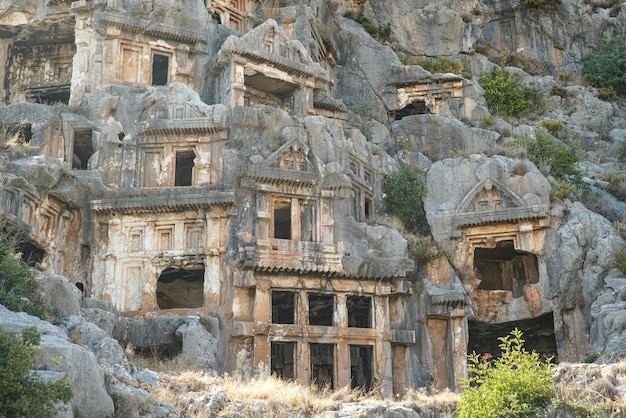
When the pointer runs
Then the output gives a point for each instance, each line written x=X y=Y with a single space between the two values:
x=505 y=97
x=606 y=69
x=367 y=131
x=404 y=190
x=621 y=151
x=513 y=385
x=552 y=155
x=23 y=394
x=619 y=257
x=424 y=249
x=608 y=94
x=545 y=5
x=552 y=125
x=617 y=183
x=558 y=91
x=441 y=65
x=363 y=108
x=18 y=287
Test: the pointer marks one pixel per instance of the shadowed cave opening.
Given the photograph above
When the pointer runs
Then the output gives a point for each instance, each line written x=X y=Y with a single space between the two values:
x=83 y=149
x=537 y=332
x=183 y=175
x=160 y=69
x=31 y=253
x=180 y=288
x=416 y=108
x=282 y=219
x=505 y=268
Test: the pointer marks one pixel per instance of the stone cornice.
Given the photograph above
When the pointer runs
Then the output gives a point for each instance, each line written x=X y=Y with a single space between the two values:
x=182 y=126
x=163 y=200
x=150 y=27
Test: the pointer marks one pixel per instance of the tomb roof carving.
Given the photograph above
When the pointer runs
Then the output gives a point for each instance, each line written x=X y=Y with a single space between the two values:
x=182 y=126
x=414 y=75
x=268 y=43
x=288 y=164
x=163 y=200
x=149 y=26
x=490 y=201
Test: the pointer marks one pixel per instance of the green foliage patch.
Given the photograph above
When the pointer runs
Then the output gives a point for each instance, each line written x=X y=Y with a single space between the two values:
x=505 y=97
x=18 y=286
x=23 y=394
x=516 y=384
x=404 y=191
x=554 y=157
x=608 y=67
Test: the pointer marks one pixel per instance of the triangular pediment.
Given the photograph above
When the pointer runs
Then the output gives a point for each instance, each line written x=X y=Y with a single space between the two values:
x=269 y=42
x=291 y=156
x=489 y=195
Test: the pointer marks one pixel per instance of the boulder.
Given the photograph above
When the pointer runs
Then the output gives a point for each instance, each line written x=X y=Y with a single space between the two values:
x=58 y=353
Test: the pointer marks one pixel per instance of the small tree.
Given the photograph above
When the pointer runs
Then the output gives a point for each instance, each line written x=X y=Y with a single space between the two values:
x=607 y=68
x=23 y=394
x=504 y=95
x=513 y=385
x=405 y=189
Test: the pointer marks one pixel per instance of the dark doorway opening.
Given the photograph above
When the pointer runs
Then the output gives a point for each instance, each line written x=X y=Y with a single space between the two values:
x=160 y=69
x=282 y=219
x=180 y=288
x=505 y=268
x=538 y=334
x=416 y=108
x=283 y=307
x=323 y=365
x=283 y=359
x=83 y=149
x=183 y=175
x=359 y=311
x=321 y=308
x=361 y=366
x=50 y=97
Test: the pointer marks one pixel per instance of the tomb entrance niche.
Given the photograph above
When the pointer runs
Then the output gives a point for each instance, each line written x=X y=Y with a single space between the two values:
x=538 y=334
x=418 y=107
x=505 y=268
x=180 y=288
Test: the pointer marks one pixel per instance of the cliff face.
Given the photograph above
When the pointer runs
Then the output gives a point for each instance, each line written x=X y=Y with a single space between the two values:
x=215 y=173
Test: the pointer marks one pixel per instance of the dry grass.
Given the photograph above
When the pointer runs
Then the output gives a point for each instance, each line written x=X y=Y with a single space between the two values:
x=199 y=394
x=12 y=142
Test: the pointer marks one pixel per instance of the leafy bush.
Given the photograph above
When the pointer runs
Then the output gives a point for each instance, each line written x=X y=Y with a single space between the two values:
x=558 y=91
x=404 y=189
x=619 y=257
x=552 y=125
x=18 y=287
x=513 y=385
x=505 y=97
x=424 y=249
x=546 y=5
x=621 y=151
x=554 y=157
x=606 y=69
x=23 y=394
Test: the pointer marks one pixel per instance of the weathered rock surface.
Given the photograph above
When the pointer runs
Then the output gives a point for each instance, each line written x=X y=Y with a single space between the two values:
x=77 y=363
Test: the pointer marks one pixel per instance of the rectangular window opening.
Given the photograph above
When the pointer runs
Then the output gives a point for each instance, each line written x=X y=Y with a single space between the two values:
x=321 y=309
x=160 y=69
x=184 y=168
x=361 y=367
x=359 y=311
x=283 y=307
x=83 y=149
x=283 y=359
x=368 y=208
x=323 y=365
x=282 y=219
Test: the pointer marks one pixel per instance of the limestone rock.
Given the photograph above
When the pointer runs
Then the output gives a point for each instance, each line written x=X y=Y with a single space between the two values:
x=57 y=353
x=439 y=137
x=199 y=346
x=63 y=296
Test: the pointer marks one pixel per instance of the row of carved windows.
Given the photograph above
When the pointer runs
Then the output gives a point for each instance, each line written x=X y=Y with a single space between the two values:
x=321 y=309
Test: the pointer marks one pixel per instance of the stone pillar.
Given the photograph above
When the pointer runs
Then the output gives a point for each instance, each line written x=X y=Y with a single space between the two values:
x=262 y=313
